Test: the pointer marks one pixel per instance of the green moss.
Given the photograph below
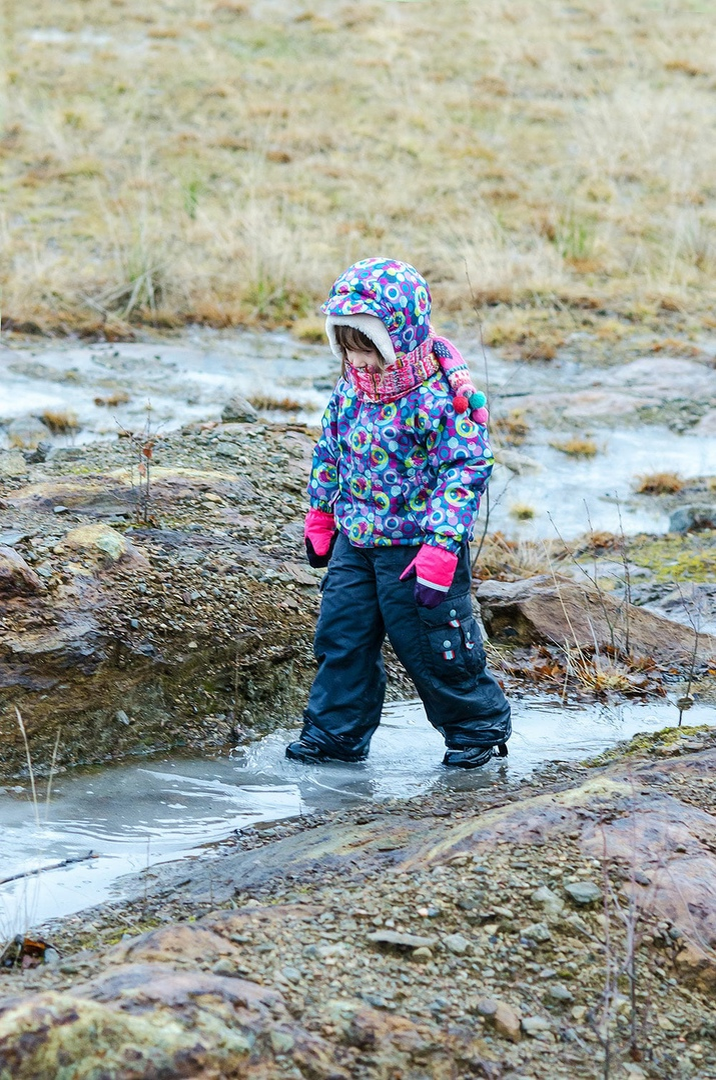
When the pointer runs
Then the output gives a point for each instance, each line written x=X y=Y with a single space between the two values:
x=677 y=558
x=644 y=743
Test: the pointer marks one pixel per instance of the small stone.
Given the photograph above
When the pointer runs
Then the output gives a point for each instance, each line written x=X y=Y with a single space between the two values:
x=122 y=718
x=507 y=1021
x=578 y=1012
x=16 y=577
x=51 y=957
x=292 y=974
x=224 y=967
x=239 y=410
x=457 y=944
x=98 y=540
x=552 y=904
x=401 y=940
x=422 y=953
x=559 y=992
x=535 y=1025
x=281 y=1041
x=537 y=932
x=486 y=1007
x=12 y=464
x=60 y=509
x=583 y=892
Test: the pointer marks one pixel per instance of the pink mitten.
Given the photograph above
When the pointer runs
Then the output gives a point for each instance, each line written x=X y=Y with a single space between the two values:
x=319 y=532
x=434 y=569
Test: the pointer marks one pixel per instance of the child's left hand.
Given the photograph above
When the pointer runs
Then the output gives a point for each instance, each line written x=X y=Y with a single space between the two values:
x=434 y=569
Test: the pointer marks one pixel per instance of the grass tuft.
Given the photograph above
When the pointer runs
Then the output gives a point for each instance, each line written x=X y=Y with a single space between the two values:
x=663 y=483
x=576 y=447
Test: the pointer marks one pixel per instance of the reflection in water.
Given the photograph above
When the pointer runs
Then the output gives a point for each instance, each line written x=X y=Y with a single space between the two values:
x=138 y=814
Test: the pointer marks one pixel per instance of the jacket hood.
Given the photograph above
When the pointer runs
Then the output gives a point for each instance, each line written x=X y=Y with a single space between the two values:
x=391 y=291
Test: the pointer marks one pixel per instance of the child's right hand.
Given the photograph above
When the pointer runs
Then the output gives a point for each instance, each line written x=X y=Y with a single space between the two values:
x=319 y=532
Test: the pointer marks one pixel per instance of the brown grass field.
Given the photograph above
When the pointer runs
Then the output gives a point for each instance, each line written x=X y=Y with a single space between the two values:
x=217 y=162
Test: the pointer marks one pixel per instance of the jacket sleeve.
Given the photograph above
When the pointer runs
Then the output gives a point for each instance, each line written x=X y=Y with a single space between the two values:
x=459 y=455
x=323 y=480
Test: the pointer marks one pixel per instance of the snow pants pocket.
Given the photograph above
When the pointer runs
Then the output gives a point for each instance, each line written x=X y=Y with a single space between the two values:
x=452 y=645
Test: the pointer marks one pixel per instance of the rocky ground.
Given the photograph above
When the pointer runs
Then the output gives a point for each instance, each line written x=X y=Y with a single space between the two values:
x=520 y=932
x=189 y=604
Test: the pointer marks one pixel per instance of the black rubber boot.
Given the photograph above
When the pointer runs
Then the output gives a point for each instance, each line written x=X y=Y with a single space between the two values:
x=305 y=753
x=468 y=759
x=308 y=754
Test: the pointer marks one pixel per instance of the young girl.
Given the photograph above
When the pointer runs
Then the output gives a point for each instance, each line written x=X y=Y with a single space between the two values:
x=394 y=490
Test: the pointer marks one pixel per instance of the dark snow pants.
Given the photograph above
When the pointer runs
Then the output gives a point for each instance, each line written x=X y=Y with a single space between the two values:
x=440 y=648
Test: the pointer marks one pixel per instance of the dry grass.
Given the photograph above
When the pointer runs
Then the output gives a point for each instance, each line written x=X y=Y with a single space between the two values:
x=663 y=483
x=512 y=560
x=266 y=403
x=221 y=162
x=576 y=447
x=60 y=422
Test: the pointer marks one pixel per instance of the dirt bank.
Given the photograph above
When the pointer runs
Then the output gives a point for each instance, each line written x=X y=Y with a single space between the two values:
x=506 y=933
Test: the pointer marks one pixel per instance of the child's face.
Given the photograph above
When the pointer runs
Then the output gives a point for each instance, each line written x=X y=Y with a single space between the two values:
x=362 y=360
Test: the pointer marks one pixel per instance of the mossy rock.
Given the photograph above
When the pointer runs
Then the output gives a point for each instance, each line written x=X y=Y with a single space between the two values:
x=645 y=743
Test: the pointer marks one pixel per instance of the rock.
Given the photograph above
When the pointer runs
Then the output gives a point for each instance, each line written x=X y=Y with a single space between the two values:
x=583 y=892
x=457 y=944
x=692 y=518
x=39 y=455
x=146 y=1020
x=401 y=940
x=16 y=577
x=538 y=932
x=27 y=432
x=239 y=410
x=224 y=967
x=486 y=1007
x=422 y=953
x=535 y=1025
x=542 y=609
x=552 y=904
x=104 y=542
x=229 y=450
x=12 y=464
x=559 y=992
x=507 y=1021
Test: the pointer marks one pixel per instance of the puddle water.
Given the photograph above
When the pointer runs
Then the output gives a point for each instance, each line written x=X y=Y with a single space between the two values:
x=139 y=814
x=191 y=378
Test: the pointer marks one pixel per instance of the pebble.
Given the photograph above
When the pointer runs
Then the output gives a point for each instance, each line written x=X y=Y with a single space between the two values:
x=559 y=992
x=552 y=904
x=457 y=944
x=535 y=1025
x=583 y=892
x=401 y=940
x=538 y=932
x=507 y=1021
x=224 y=967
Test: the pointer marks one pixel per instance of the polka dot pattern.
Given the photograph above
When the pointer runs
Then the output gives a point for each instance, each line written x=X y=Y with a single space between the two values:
x=401 y=472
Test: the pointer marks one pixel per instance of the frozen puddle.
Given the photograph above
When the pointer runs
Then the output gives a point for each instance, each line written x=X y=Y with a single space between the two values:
x=135 y=815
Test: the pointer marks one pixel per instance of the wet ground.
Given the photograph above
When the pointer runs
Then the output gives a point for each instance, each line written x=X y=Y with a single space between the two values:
x=163 y=808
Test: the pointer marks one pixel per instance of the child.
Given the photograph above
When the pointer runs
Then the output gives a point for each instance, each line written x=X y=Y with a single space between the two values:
x=395 y=489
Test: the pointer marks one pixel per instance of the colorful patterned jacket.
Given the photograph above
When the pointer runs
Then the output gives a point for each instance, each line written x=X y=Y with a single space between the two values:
x=409 y=471
x=403 y=456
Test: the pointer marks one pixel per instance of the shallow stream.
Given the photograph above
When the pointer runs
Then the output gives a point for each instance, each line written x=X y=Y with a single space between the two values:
x=134 y=815
x=153 y=810
x=191 y=378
